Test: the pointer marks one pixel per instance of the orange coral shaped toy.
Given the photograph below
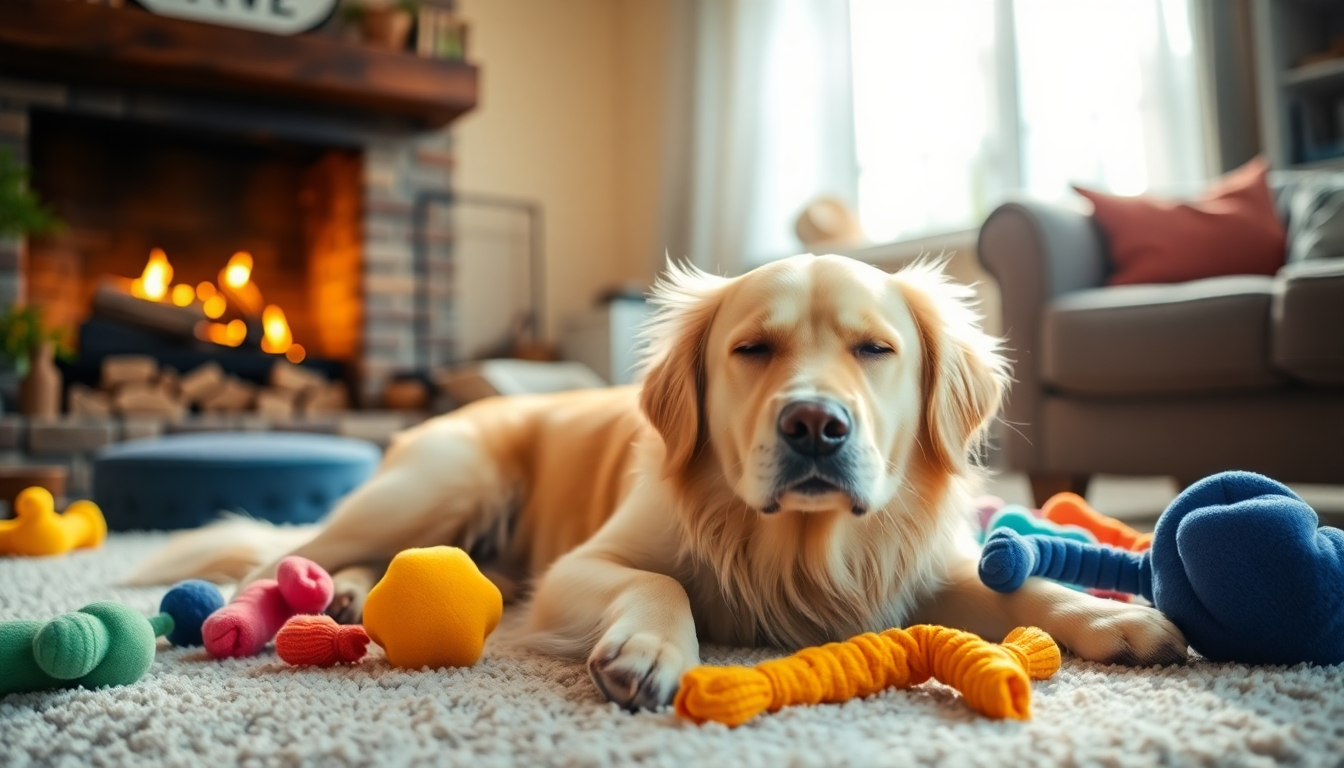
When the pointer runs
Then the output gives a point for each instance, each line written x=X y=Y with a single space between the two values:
x=1072 y=509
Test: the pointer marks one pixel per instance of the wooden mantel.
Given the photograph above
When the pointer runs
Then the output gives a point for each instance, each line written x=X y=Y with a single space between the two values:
x=130 y=47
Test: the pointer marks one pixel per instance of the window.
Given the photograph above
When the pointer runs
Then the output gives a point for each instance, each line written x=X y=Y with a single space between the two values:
x=960 y=103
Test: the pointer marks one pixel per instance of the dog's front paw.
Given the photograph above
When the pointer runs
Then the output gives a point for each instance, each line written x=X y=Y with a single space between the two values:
x=641 y=671
x=1134 y=635
x=350 y=587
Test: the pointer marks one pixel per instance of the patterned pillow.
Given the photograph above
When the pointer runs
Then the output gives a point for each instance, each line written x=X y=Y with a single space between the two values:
x=1313 y=204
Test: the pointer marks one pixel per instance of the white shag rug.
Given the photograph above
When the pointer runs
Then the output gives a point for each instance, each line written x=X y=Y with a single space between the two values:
x=518 y=708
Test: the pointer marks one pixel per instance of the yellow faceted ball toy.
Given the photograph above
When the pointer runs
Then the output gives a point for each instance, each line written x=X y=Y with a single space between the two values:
x=433 y=608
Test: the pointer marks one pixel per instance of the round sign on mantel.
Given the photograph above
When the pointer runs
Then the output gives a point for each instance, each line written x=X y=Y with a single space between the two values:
x=279 y=17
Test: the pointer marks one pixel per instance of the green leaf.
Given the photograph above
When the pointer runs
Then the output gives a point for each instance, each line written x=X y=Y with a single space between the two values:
x=20 y=211
x=22 y=330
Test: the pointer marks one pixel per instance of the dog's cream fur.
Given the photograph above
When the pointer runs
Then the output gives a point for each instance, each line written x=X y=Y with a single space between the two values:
x=655 y=517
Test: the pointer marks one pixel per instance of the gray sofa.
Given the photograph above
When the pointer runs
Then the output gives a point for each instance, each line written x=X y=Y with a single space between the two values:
x=1183 y=380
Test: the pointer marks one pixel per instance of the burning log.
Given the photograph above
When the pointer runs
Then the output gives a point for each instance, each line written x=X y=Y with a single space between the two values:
x=112 y=303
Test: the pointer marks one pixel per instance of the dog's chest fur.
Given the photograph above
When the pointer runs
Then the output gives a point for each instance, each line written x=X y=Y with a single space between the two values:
x=806 y=579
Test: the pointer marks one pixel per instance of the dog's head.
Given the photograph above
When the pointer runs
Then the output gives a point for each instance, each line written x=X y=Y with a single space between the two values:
x=812 y=384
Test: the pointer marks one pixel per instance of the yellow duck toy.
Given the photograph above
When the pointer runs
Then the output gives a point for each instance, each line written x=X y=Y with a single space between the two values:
x=37 y=530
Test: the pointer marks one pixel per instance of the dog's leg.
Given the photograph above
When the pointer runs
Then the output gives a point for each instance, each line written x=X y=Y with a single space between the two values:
x=609 y=600
x=434 y=489
x=1091 y=628
x=641 y=621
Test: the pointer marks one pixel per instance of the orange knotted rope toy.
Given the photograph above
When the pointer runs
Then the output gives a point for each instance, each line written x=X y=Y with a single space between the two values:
x=994 y=678
x=319 y=641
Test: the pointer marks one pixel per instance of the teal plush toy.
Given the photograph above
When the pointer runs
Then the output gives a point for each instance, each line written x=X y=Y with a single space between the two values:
x=1018 y=519
x=99 y=645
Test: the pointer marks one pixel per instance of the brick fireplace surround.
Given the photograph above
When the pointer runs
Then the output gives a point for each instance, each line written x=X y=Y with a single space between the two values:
x=398 y=164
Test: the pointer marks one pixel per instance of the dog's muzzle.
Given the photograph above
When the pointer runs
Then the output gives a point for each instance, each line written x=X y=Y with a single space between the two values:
x=815 y=432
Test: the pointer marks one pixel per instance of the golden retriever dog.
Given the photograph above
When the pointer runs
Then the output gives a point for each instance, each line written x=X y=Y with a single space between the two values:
x=796 y=468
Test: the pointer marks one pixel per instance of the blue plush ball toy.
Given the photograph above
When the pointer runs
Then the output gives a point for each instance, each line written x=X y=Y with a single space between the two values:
x=190 y=602
x=1239 y=563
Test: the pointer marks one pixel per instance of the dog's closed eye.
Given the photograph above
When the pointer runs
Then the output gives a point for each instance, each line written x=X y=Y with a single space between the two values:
x=873 y=349
x=752 y=349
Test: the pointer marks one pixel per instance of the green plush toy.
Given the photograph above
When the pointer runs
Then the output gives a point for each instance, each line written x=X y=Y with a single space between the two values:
x=99 y=645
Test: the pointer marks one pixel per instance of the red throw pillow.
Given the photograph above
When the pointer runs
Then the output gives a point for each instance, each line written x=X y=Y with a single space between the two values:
x=1232 y=229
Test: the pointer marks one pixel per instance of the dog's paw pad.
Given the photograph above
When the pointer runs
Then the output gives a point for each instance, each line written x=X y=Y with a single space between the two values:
x=1132 y=635
x=641 y=672
x=347 y=604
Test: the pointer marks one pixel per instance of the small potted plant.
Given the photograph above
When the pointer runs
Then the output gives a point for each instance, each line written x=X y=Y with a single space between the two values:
x=32 y=348
x=24 y=340
x=383 y=23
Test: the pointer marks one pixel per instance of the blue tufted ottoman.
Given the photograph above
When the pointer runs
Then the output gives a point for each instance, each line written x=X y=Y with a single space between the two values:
x=183 y=481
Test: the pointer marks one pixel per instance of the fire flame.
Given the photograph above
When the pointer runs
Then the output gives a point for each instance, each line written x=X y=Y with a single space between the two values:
x=230 y=335
x=276 y=337
x=239 y=270
x=152 y=284
x=236 y=279
x=214 y=306
x=183 y=295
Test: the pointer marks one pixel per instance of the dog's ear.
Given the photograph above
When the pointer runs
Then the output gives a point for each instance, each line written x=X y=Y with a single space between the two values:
x=964 y=372
x=685 y=300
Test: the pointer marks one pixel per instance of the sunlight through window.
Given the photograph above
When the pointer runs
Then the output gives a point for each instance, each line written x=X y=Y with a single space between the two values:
x=1105 y=95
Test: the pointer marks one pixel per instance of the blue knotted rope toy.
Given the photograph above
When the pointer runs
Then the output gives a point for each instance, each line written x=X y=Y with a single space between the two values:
x=1238 y=563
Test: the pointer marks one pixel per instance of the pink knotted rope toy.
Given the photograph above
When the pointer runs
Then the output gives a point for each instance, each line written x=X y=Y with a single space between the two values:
x=255 y=615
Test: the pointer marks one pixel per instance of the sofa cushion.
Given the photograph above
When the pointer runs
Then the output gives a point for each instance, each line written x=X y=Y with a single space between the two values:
x=1231 y=229
x=1308 y=321
x=1200 y=336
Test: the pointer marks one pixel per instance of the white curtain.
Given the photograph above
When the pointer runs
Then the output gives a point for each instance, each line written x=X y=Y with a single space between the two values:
x=932 y=157
x=922 y=114
x=771 y=125
x=1109 y=97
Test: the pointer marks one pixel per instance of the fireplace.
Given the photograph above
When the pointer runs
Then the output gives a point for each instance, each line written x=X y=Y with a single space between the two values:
x=259 y=240
x=309 y=157
x=318 y=164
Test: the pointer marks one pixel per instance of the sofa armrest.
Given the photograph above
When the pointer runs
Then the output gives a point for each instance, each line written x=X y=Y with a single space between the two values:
x=1036 y=252
x=1307 y=316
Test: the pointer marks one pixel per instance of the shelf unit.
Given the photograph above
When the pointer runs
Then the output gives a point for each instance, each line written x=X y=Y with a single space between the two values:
x=1301 y=104
x=83 y=42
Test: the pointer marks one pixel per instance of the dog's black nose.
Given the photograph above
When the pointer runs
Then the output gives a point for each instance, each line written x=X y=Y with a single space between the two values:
x=814 y=427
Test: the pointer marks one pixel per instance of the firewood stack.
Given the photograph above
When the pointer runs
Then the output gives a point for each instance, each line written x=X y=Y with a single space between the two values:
x=135 y=385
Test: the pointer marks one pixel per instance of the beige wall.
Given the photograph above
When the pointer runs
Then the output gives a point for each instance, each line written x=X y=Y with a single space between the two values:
x=574 y=112
x=570 y=95
x=645 y=36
